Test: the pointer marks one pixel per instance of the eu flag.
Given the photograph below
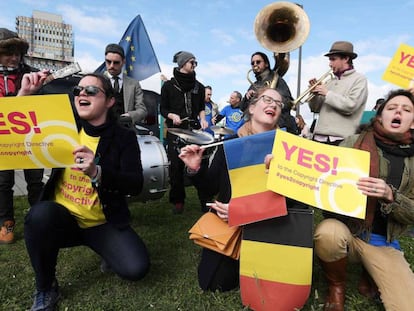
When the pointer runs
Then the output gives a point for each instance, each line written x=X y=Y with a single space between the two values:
x=140 y=59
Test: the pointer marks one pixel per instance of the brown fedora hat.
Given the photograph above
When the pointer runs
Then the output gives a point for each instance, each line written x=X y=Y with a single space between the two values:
x=343 y=48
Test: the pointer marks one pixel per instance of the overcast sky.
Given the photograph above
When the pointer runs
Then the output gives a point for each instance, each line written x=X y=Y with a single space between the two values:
x=220 y=34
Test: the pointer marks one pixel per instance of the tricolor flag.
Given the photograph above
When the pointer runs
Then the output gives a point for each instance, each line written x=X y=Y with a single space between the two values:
x=250 y=199
x=140 y=59
x=276 y=262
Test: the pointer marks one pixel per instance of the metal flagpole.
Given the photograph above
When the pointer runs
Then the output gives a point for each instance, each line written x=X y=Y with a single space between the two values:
x=299 y=73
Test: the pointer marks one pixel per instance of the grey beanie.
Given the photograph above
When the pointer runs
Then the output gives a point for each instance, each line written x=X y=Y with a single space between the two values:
x=115 y=48
x=182 y=57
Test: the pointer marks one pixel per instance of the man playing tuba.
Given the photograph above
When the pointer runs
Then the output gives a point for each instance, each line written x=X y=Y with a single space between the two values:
x=280 y=27
x=266 y=77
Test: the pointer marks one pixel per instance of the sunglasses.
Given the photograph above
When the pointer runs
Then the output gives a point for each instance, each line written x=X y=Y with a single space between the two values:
x=115 y=62
x=256 y=62
x=90 y=90
x=193 y=63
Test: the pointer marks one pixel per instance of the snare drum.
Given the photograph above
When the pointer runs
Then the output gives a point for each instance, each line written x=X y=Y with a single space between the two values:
x=155 y=168
x=182 y=137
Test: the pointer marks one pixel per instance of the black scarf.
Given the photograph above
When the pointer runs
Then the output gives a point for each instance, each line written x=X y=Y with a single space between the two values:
x=403 y=150
x=96 y=131
x=185 y=81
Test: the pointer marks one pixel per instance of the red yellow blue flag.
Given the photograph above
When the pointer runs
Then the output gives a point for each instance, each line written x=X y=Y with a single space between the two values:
x=251 y=201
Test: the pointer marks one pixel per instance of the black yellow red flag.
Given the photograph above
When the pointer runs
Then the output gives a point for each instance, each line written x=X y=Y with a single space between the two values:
x=276 y=262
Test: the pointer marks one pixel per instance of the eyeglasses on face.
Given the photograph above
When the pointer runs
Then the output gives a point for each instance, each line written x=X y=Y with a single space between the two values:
x=193 y=63
x=90 y=90
x=115 y=62
x=269 y=100
x=256 y=62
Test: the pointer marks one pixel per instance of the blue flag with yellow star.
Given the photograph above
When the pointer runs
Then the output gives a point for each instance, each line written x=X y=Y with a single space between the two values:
x=140 y=59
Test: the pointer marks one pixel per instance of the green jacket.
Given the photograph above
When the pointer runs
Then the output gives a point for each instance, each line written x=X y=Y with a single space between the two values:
x=401 y=211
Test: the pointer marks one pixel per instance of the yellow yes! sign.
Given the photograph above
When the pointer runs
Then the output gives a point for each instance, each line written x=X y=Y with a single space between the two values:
x=318 y=174
x=400 y=71
x=37 y=132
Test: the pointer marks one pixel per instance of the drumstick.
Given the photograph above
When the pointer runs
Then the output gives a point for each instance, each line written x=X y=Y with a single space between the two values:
x=211 y=145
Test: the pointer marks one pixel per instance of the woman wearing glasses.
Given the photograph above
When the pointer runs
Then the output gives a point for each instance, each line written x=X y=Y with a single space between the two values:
x=85 y=204
x=216 y=271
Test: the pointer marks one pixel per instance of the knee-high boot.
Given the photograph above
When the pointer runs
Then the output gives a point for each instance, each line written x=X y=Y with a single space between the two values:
x=335 y=273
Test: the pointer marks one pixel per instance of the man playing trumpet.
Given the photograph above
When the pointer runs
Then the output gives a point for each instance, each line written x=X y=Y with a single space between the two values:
x=341 y=101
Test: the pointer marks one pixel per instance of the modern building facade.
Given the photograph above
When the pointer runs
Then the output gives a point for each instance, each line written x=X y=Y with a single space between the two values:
x=51 y=41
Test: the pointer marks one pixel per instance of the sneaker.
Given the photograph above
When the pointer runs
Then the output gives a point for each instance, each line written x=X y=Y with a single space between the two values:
x=6 y=232
x=178 y=208
x=46 y=300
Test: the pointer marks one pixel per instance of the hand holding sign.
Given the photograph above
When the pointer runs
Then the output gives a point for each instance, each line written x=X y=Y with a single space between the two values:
x=318 y=174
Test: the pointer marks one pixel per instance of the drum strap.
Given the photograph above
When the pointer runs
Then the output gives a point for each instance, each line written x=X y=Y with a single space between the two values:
x=187 y=102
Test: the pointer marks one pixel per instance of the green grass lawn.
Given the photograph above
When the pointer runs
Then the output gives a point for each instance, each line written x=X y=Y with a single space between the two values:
x=171 y=284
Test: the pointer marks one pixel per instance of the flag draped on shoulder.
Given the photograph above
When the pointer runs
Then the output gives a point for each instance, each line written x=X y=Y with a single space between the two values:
x=250 y=199
x=140 y=59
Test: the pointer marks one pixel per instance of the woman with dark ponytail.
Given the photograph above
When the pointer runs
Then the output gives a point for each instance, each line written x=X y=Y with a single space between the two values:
x=373 y=242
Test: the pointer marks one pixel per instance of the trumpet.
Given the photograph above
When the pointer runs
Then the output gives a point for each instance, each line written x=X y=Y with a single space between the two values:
x=308 y=94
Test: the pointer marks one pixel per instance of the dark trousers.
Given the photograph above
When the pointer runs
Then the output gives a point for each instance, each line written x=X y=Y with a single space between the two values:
x=176 y=170
x=50 y=226
x=204 y=198
x=217 y=271
x=34 y=183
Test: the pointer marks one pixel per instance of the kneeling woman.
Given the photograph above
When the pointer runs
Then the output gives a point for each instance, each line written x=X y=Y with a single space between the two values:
x=216 y=271
x=107 y=168
x=390 y=210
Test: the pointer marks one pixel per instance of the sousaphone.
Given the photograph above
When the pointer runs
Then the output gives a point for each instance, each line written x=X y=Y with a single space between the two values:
x=281 y=27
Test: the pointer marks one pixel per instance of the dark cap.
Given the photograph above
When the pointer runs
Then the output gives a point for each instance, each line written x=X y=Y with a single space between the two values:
x=182 y=57
x=9 y=40
x=342 y=48
x=115 y=48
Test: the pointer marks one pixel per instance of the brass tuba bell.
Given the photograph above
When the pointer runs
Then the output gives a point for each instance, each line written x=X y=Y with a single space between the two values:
x=281 y=27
